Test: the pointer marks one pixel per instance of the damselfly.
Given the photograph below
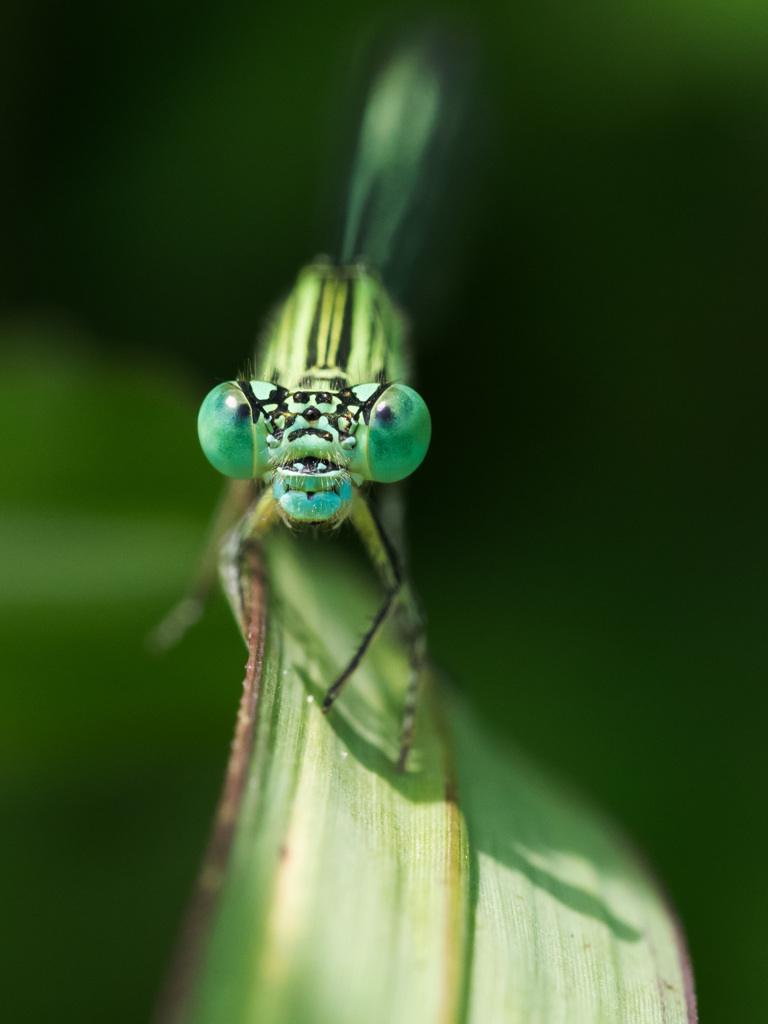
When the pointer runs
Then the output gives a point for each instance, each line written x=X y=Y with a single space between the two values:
x=328 y=410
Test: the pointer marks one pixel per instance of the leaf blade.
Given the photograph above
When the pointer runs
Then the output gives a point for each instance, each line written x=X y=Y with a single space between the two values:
x=469 y=889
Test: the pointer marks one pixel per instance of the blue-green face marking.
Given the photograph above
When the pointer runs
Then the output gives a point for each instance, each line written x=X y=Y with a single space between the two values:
x=313 y=445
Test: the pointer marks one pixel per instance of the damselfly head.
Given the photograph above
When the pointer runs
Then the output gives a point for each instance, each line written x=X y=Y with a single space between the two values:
x=314 y=446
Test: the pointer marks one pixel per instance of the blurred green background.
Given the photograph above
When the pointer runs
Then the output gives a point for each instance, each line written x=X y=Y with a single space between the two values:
x=597 y=583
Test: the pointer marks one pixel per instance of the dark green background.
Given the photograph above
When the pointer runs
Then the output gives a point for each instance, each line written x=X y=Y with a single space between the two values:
x=589 y=544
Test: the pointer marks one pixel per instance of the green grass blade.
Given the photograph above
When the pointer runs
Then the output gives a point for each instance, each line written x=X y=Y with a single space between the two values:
x=568 y=925
x=469 y=889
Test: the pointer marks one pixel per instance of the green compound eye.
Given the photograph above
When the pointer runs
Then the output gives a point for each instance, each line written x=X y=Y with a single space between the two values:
x=398 y=434
x=232 y=442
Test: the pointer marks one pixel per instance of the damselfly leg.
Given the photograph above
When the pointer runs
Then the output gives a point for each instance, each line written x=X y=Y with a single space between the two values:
x=399 y=602
x=399 y=598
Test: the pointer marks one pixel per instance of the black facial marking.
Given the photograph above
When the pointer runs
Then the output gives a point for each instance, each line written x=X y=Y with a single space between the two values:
x=371 y=402
x=275 y=399
x=243 y=411
x=342 y=397
x=253 y=402
x=301 y=431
